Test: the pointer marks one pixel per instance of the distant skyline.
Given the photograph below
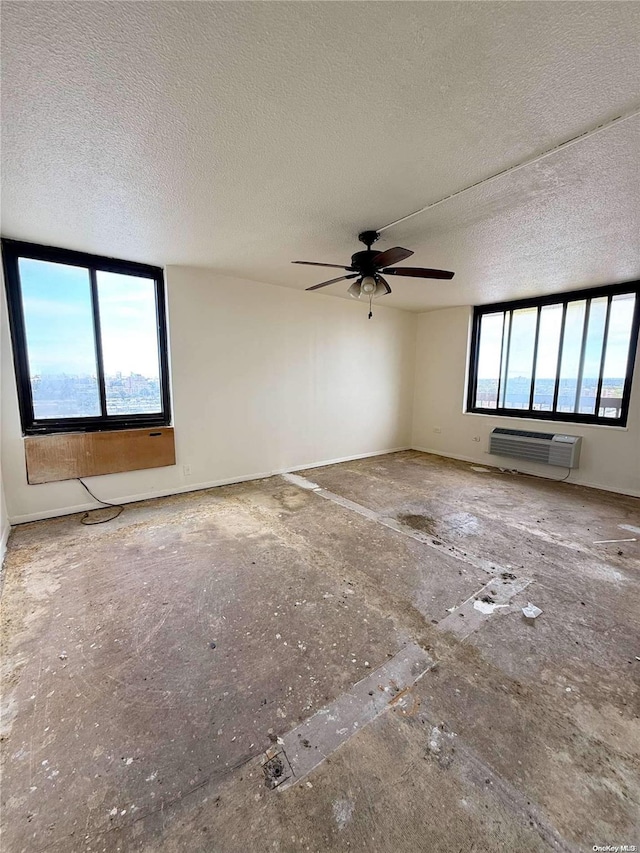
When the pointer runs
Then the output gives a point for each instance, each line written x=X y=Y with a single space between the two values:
x=59 y=325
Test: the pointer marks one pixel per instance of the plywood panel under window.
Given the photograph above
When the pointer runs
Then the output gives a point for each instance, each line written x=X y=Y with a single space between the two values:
x=67 y=456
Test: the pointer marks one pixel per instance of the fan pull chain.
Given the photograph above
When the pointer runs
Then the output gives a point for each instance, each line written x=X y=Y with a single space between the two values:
x=370 y=311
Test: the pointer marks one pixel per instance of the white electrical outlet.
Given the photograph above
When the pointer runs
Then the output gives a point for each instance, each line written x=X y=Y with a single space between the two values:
x=437 y=429
x=186 y=470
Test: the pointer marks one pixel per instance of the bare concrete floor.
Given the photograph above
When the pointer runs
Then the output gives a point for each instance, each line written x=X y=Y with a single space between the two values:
x=125 y=730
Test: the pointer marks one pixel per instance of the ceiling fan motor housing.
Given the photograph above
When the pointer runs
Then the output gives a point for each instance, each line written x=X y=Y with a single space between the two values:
x=363 y=262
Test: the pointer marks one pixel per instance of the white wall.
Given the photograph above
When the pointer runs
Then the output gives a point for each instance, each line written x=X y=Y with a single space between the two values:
x=264 y=379
x=610 y=456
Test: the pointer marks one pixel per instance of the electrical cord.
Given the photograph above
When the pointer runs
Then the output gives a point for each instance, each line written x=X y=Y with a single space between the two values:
x=539 y=476
x=83 y=520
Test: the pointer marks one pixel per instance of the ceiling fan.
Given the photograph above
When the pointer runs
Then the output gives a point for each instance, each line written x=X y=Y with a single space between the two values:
x=368 y=265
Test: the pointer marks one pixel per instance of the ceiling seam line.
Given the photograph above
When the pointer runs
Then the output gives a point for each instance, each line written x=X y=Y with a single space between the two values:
x=587 y=134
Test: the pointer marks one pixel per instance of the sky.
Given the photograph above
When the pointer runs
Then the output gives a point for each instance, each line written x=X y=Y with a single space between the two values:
x=59 y=326
x=522 y=340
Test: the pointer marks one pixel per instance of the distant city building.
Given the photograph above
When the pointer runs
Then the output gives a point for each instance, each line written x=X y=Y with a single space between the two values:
x=514 y=394
x=65 y=395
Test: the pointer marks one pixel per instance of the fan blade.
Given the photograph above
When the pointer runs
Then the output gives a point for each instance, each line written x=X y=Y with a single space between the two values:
x=332 y=281
x=419 y=272
x=392 y=256
x=314 y=264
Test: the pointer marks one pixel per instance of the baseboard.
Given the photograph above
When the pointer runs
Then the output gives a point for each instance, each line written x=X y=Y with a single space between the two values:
x=194 y=487
x=3 y=543
x=343 y=459
x=212 y=484
x=631 y=493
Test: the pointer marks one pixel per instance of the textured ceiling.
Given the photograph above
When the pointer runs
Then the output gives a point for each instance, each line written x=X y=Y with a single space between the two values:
x=242 y=135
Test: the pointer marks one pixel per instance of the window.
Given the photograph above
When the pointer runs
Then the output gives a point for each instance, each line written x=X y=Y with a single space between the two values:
x=89 y=340
x=567 y=357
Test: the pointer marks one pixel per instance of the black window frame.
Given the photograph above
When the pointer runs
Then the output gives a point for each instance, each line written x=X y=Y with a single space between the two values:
x=12 y=251
x=539 y=302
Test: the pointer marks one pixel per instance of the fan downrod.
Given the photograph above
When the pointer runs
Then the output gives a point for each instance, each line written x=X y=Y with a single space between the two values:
x=368 y=238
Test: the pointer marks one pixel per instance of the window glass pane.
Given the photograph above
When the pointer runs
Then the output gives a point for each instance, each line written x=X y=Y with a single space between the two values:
x=489 y=360
x=58 y=320
x=592 y=356
x=617 y=354
x=128 y=324
x=570 y=364
x=547 y=357
x=520 y=358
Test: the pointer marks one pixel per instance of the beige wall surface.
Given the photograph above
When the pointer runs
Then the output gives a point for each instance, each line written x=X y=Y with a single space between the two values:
x=264 y=379
x=610 y=456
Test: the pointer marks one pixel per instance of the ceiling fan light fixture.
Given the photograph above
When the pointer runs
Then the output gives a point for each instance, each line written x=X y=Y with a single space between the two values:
x=354 y=290
x=380 y=290
x=369 y=285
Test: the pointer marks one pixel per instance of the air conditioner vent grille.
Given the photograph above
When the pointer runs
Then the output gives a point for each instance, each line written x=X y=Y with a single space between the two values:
x=525 y=450
x=547 y=448
x=524 y=433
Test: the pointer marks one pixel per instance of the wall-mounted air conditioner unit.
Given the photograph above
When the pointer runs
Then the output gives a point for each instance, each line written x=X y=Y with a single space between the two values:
x=548 y=447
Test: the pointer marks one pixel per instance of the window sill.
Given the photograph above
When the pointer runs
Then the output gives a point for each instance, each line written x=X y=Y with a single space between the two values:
x=541 y=422
x=70 y=427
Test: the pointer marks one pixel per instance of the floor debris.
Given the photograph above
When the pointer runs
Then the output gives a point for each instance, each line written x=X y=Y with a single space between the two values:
x=531 y=611
x=441 y=746
x=342 y=812
x=608 y=541
x=481 y=606
x=487 y=607
x=630 y=528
